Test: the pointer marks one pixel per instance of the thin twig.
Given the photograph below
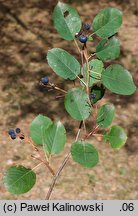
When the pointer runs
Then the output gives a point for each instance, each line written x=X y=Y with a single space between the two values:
x=59 y=89
x=77 y=46
x=84 y=126
x=82 y=62
x=81 y=80
x=52 y=86
x=88 y=68
x=41 y=156
x=92 y=34
x=78 y=133
x=57 y=175
x=66 y=159
x=93 y=54
x=45 y=163
x=91 y=133
x=59 y=96
x=36 y=166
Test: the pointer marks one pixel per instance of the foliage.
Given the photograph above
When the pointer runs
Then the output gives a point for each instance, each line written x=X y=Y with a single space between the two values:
x=92 y=79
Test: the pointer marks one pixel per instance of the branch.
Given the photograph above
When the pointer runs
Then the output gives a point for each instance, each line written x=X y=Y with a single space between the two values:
x=57 y=175
x=92 y=132
x=77 y=46
x=88 y=67
x=66 y=159
x=58 y=89
x=44 y=161
x=52 y=86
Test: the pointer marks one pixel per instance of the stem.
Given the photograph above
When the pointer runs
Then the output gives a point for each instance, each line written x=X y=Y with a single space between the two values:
x=77 y=46
x=66 y=159
x=91 y=133
x=52 y=86
x=36 y=166
x=82 y=62
x=78 y=133
x=45 y=163
x=56 y=176
x=59 y=96
x=84 y=125
x=92 y=34
x=88 y=67
x=81 y=80
x=81 y=55
x=57 y=88
x=93 y=54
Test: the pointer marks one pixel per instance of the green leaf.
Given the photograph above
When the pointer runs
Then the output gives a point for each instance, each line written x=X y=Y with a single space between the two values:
x=107 y=22
x=98 y=91
x=66 y=21
x=116 y=136
x=96 y=68
x=36 y=128
x=105 y=115
x=108 y=49
x=19 y=179
x=84 y=154
x=118 y=80
x=90 y=38
x=77 y=104
x=54 y=138
x=63 y=64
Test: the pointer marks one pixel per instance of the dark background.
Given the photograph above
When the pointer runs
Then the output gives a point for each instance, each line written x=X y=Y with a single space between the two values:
x=26 y=34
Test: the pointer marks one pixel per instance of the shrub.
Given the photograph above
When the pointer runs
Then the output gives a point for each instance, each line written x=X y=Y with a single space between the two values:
x=82 y=101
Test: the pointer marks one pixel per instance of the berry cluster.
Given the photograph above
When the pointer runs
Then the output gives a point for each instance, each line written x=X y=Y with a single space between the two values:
x=83 y=34
x=13 y=133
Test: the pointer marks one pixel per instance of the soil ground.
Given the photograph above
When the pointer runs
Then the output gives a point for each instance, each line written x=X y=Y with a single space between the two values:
x=26 y=34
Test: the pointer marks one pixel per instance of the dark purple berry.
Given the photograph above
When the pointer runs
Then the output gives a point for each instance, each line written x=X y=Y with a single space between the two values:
x=45 y=80
x=86 y=27
x=83 y=38
x=13 y=136
x=21 y=136
x=11 y=131
x=92 y=96
x=18 y=130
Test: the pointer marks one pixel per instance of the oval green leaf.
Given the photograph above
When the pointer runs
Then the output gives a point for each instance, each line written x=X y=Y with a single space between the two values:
x=19 y=179
x=116 y=136
x=63 y=64
x=105 y=115
x=107 y=22
x=54 y=138
x=96 y=68
x=77 y=104
x=36 y=128
x=98 y=91
x=118 y=80
x=108 y=49
x=84 y=154
x=66 y=21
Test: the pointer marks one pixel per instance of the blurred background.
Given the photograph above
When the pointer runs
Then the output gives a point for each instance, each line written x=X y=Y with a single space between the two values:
x=26 y=34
